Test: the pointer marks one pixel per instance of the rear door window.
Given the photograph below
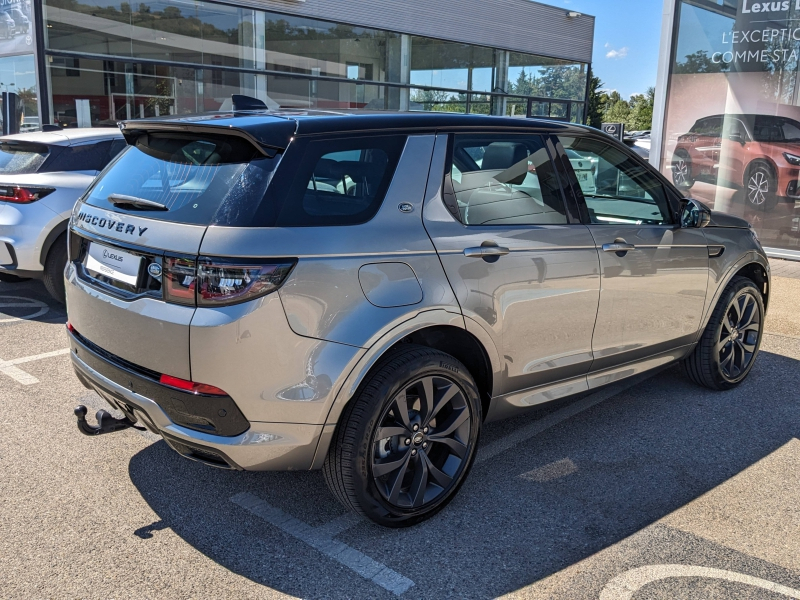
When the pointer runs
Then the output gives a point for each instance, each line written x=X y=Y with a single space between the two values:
x=503 y=180
x=336 y=181
x=20 y=158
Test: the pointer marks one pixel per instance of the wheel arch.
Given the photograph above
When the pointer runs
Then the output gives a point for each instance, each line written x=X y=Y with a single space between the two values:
x=439 y=329
x=763 y=160
x=753 y=266
x=54 y=234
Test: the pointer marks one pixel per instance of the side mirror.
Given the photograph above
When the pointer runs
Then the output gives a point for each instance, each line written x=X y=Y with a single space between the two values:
x=736 y=137
x=695 y=214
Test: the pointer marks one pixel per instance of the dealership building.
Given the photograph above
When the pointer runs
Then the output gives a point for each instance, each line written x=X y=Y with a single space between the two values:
x=85 y=63
x=726 y=126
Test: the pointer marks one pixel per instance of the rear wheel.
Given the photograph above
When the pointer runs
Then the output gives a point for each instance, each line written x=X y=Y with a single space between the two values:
x=729 y=345
x=54 y=266
x=405 y=443
x=761 y=187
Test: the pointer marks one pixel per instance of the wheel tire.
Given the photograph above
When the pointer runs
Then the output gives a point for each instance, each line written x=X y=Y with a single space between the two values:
x=9 y=278
x=761 y=187
x=392 y=498
x=54 y=266
x=682 y=171
x=712 y=363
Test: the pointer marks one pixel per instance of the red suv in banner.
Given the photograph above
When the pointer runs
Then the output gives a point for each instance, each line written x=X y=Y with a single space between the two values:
x=757 y=153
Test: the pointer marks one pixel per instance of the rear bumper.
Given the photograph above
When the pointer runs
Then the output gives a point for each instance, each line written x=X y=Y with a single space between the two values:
x=262 y=447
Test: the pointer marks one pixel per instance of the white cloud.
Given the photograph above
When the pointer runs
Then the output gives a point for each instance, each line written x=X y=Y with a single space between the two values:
x=616 y=54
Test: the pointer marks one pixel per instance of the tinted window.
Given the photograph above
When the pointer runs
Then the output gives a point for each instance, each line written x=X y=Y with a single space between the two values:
x=85 y=157
x=503 y=180
x=335 y=181
x=204 y=180
x=617 y=188
x=19 y=157
x=775 y=129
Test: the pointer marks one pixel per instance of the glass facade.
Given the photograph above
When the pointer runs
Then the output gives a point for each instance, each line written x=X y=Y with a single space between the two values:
x=110 y=59
x=731 y=134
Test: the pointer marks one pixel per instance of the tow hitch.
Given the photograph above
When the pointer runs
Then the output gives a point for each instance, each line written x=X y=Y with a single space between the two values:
x=105 y=422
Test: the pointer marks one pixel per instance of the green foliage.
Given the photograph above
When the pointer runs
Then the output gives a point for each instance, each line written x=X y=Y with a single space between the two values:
x=558 y=81
x=636 y=113
x=597 y=101
x=699 y=62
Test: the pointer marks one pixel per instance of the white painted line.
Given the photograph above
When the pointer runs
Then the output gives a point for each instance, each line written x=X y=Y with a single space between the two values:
x=8 y=367
x=25 y=359
x=316 y=538
x=559 y=416
x=39 y=308
x=624 y=586
x=18 y=374
x=340 y=524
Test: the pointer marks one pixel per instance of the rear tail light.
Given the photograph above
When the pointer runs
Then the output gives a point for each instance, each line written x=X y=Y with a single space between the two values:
x=221 y=281
x=23 y=194
x=179 y=280
x=191 y=386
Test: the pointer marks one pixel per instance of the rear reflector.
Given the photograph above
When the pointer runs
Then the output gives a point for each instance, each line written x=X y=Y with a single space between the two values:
x=23 y=195
x=191 y=386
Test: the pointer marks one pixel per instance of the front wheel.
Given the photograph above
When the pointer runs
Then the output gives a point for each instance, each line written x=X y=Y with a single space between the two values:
x=682 y=171
x=405 y=443
x=761 y=187
x=730 y=343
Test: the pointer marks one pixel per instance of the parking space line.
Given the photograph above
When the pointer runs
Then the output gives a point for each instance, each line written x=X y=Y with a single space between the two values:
x=625 y=585
x=9 y=368
x=559 y=416
x=319 y=539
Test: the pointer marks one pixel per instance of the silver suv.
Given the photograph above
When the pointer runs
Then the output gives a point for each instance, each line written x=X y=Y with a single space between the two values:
x=360 y=293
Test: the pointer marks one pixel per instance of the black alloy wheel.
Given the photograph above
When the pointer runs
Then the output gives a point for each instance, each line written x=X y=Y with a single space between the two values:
x=739 y=335
x=421 y=442
x=406 y=441
x=730 y=342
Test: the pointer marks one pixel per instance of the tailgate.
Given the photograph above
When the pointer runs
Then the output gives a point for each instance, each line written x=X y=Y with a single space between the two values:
x=125 y=314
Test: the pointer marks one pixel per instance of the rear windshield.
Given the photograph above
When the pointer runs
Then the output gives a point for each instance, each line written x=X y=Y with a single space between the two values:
x=19 y=158
x=208 y=180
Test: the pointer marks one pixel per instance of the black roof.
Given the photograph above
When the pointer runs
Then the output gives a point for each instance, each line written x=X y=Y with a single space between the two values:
x=275 y=128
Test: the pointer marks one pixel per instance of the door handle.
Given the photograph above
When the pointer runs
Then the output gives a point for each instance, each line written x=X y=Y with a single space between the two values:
x=618 y=247
x=486 y=251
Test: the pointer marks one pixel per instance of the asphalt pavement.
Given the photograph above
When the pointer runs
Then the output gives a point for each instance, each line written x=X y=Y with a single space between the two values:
x=653 y=488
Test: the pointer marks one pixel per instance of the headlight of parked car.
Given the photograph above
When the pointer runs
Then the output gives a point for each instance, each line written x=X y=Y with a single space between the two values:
x=792 y=159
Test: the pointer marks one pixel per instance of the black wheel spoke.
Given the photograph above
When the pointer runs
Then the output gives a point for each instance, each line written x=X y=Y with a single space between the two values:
x=456 y=447
x=439 y=476
x=427 y=396
x=454 y=422
x=724 y=364
x=401 y=409
x=445 y=398
x=379 y=469
x=420 y=482
x=397 y=483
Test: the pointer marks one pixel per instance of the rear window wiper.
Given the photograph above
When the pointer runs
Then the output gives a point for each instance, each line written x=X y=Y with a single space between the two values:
x=122 y=200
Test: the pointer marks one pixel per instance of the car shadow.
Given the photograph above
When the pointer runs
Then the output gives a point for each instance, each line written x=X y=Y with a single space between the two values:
x=533 y=510
x=30 y=297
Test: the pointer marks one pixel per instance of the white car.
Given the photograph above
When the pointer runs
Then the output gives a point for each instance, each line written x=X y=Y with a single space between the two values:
x=585 y=168
x=42 y=174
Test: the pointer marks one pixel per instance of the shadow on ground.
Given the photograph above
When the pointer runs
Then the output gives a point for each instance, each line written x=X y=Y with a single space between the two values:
x=530 y=512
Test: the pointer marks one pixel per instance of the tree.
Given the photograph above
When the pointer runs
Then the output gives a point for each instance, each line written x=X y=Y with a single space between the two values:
x=597 y=101
x=641 y=114
x=699 y=62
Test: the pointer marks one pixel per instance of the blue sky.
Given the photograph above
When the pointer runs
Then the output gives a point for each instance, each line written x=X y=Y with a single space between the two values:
x=627 y=34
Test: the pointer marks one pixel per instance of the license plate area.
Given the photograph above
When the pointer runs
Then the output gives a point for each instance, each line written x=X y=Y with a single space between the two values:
x=128 y=278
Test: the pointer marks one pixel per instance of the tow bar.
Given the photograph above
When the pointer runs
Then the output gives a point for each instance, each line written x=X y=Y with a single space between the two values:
x=105 y=422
